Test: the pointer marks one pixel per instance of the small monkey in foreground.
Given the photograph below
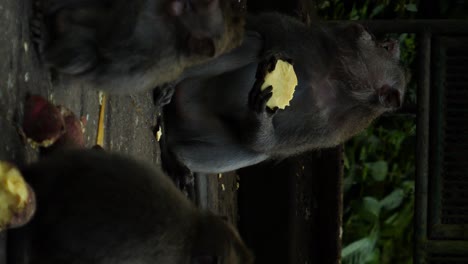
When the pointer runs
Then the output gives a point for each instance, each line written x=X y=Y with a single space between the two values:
x=346 y=79
x=129 y=46
x=96 y=207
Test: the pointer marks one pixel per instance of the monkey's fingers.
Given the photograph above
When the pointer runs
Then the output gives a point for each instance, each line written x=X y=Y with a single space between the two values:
x=271 y=63
x=272 y=111
x=265 y=67
x=37 y=28
x=283 y=57
x=254 y=92
x=262 y=99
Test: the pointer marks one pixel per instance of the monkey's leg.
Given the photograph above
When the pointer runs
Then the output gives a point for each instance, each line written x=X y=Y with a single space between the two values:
x=179 y=173
x=171 y=165
x=213 y=157
x=72 y=53
x=69 y=37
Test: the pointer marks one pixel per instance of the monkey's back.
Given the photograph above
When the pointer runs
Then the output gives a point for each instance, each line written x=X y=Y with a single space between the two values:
x=93 y=207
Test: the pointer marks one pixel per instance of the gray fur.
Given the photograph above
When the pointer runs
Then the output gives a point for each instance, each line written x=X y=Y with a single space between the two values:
x=342 y=72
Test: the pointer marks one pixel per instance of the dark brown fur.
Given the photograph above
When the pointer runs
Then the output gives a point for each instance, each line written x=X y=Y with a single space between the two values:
x=95 y=207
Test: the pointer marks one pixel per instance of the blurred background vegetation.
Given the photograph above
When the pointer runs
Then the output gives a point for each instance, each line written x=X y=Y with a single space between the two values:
x=380 y=162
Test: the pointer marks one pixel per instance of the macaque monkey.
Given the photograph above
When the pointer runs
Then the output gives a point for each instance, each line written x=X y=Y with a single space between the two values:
x=346 y=79
x=96 y=207
x=124 y=46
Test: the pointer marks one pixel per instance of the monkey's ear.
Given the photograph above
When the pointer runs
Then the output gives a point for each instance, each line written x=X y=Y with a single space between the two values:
x=201 y=46
x=389 y=97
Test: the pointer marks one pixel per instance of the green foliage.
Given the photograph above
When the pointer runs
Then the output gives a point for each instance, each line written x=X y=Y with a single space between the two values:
x=366 y=9
x=379 y=193
x=380 y=162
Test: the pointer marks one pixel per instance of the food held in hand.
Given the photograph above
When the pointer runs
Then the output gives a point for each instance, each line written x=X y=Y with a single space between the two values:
x=283 y=79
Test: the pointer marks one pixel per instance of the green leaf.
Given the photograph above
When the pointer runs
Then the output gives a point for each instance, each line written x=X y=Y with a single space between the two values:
x=363 y=154
x=373 y=257
x=362 y=250
x=377 y=10
x=348 y=183
x=371 y=206
x=358 y=251
x=393 y=200
x=411 y=7
x=390 y=220
x=324 y=5
x=378 y=170
x=353 y=15
x=346 y=162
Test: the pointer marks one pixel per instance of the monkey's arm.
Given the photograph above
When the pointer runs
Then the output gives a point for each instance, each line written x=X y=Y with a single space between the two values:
x=250 y=51
x=266 y=35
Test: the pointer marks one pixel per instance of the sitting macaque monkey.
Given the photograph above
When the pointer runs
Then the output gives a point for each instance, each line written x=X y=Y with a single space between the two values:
x=221 y=122
x=129 y=46
x=100 y=208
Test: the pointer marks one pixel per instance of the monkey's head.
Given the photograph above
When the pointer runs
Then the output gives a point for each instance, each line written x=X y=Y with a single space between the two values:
x=371 y=68
x=214 y=26
x=217 y=242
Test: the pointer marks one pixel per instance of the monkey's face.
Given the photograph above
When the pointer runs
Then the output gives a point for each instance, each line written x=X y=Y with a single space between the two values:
x=386 y=74
x=376 y=75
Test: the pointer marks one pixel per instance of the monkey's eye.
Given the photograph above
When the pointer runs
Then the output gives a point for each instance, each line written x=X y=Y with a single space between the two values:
x=390 y=45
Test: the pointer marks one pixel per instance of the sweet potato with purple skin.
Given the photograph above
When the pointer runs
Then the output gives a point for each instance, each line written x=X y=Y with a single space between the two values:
x=74 y=130
x=43 y=122
x=47 y=125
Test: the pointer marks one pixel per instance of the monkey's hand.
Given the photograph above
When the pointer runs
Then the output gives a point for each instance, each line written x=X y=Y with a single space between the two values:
x=280 y=75
x=258 y=99
x=269 y=64
x=39 y=33
x=261 y=134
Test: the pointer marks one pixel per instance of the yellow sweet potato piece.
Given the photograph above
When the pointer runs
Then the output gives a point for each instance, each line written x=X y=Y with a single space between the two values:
x=17 y=203
x=284 y=81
